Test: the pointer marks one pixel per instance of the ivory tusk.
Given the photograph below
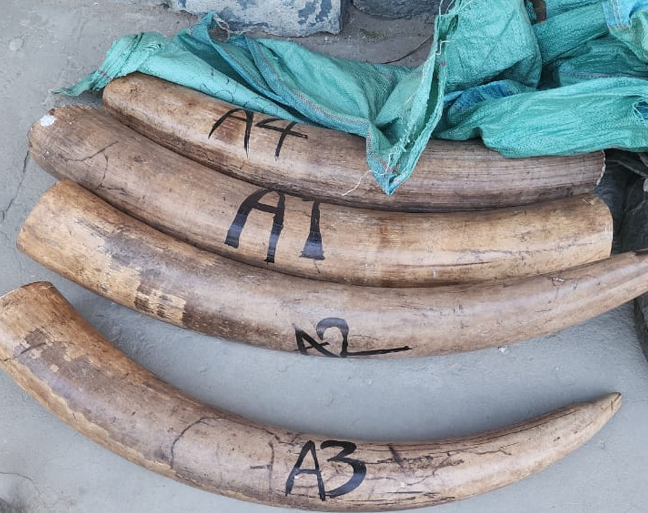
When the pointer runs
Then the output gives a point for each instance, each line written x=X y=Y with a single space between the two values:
x=311 y=239
x=330 y=165
x=58 y=358
x=81 y=237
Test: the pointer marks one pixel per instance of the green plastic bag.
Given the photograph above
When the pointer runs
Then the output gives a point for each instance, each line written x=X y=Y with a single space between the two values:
x=573 y=82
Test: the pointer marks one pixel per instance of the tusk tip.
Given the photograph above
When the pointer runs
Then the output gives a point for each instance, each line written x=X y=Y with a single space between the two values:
x=612 y=401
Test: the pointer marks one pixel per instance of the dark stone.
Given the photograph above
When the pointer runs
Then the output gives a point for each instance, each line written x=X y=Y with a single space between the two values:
x=399 y=8
x=278 y=17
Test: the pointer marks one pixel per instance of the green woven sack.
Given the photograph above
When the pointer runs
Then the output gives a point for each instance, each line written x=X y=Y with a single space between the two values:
x=570 y=80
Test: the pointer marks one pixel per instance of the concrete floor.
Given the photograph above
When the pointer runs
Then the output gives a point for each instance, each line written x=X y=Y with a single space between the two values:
x=47 y=467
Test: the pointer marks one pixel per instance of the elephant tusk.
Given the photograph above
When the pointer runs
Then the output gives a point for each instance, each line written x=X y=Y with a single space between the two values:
x=331 y=166
x=307 y=238
x=61 y=361
x=81 y=237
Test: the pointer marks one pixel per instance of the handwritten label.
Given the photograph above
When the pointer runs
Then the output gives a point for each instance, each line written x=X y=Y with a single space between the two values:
x=253 y=202
x=359 y=468
x=248 y=119
x=313 y=247
x=247 y=116
x=305 y=342
x=285 y=132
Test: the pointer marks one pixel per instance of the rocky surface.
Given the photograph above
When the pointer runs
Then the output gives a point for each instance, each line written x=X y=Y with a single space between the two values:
x=400 y=8
x=278 y=17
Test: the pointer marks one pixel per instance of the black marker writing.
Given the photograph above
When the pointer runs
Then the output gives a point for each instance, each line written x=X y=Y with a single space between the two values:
x=303 y=338
x=249 y=120
x=253 y=202
x=285 y=132
x=266 y=124
x=348 y=448
x=313 y=248
x=309 y=447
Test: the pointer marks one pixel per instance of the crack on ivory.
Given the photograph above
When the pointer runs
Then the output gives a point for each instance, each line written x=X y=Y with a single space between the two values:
x=397 y=457
x=201 y=420
x=98 y=152
x=30 y=348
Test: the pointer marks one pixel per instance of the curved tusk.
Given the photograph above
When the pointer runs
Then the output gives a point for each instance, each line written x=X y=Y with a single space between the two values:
x=86 y=240
x=58 y=358
x=330 y=165
x=306 y=238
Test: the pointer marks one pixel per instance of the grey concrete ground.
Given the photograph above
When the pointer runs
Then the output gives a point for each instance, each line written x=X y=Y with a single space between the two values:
x=47 y=467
